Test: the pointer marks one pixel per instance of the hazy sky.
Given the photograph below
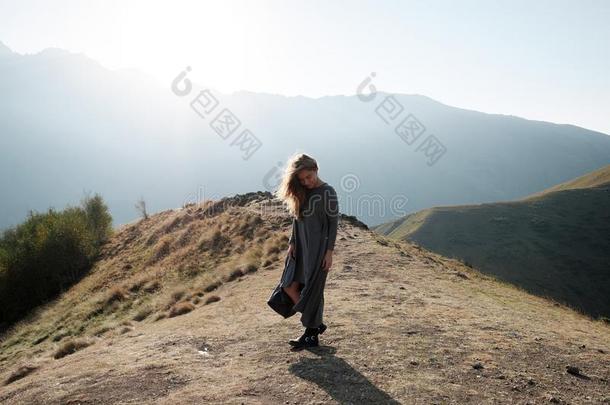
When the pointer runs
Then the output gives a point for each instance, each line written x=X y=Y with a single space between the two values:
x=545 y=60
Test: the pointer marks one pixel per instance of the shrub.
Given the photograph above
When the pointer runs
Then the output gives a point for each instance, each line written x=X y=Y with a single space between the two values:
x=60 y=335
x=160 y=316
x=177 y=295
x=137 y=284
x=162 y=249
x=142 y=314
x=234 y=274
x=101 y=330
x=181 y=308
x=212 y=298
x=249 y=268
x=212 y=286
x=215 y=243
x=20 y=373
x=273 y=249
x=115 y=294
x=70 y=347
x=152 y=286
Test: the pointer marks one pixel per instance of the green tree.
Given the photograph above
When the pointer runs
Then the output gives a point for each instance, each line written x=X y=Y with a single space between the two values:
x=98 y=218
x=48 y=253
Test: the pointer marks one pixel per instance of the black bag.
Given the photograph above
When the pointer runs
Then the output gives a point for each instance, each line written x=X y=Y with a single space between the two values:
x=279 y=300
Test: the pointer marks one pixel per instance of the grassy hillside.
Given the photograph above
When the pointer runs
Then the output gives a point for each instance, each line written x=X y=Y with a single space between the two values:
x=597 y=178
x=554 y=243
x=156 y=268
x=405 y=325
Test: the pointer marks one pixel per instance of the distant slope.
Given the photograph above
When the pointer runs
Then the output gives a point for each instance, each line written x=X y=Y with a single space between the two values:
x=552 y=243
x=597 y=178
x=403 y=323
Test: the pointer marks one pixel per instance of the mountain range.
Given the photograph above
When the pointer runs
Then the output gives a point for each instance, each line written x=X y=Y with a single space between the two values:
x=68 y=125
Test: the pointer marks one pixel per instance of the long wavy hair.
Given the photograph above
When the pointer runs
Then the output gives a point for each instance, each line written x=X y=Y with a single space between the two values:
x=290 y=191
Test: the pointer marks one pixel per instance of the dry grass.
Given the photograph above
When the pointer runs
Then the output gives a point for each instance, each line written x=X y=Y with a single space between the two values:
x=152 y=286
x=180 y=308
x=211 y=299
x=143 y=313
x=274 y=247
x=70 y=347
x=60 y=335
x=185 y=237
x=214 y=241
x=177 y=295
x=101 y=330
x=115 y=294
x=212 y=286
x=160 y=316
x=234 y=275
x=21 y=372
x=161 y=249
x=138 y=283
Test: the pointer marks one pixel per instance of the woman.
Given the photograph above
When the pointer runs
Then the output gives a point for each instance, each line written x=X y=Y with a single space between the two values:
x=314 y=208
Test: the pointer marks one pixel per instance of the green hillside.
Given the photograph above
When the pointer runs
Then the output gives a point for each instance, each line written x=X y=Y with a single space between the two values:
x=554 y=243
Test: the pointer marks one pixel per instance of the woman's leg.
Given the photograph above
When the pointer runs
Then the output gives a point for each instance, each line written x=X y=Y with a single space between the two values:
x=293 y=291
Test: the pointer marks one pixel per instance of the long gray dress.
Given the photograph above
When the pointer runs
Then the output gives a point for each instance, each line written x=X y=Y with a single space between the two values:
x=312 y=235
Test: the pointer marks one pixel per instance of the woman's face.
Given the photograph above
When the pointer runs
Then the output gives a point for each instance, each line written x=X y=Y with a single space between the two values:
x=308 y=178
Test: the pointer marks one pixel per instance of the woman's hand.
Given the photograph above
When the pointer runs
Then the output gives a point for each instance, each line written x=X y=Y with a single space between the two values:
x=328 y=260
x=291 y=249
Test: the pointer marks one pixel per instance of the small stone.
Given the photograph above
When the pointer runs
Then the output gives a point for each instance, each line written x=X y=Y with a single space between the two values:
x=477 y=366
x=573 y=370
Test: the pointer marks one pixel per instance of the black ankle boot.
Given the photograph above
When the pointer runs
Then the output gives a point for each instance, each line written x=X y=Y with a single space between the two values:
x=308 y=339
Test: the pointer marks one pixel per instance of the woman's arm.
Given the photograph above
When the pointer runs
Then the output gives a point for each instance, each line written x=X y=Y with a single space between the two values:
x=332 y=212
x=291 y=241
x=331 y=207
x=293 y=233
